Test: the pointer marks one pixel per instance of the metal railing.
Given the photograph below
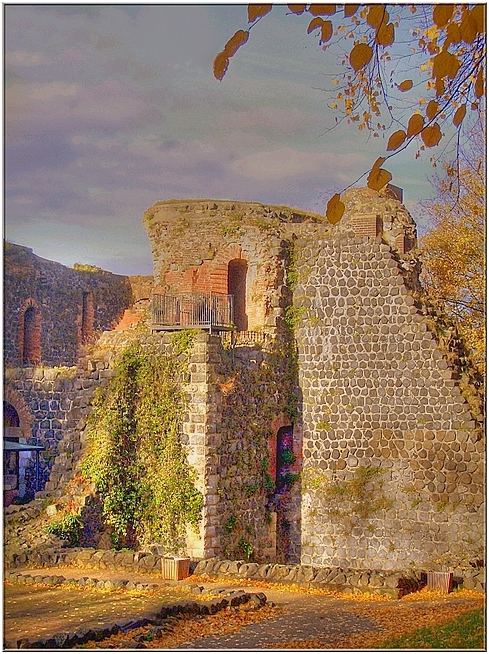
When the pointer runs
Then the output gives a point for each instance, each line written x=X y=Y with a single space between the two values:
x=192 y=310
x=245 y=338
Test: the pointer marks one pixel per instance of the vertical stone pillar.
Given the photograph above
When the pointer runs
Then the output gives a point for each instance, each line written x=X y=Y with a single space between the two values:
x=203 y=442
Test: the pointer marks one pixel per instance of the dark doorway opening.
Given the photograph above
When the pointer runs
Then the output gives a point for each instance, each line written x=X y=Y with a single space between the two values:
x=11 y=433
x=10 y=416
x=237 y=271
x=87 y=317
x=285 y=458
x=31 y=346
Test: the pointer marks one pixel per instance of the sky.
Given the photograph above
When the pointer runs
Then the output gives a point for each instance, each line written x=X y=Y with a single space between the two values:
x=112 y=108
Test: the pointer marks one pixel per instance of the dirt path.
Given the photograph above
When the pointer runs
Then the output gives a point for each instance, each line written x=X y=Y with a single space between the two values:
x=34 y=610
x=308 y=622
x=300 y=619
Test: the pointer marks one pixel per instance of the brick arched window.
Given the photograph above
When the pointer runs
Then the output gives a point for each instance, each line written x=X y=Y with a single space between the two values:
x=87 y=317
x=11 y=433
x=30 y=335
x=237 y=271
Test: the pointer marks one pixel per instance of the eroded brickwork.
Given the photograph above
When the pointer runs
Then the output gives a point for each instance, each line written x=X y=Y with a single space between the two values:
x=195 y=241
x=47 y=299
x=248 y=402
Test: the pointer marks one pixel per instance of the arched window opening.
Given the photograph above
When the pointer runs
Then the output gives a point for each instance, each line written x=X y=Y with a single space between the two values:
x=11 y=433
x=31 y=346
x=87 y=317
x=285 y=458
x=10 y=416
x=237 y=270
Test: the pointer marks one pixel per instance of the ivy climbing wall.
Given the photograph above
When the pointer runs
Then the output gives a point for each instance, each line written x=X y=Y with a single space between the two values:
x=252 y=394
x=392 y=457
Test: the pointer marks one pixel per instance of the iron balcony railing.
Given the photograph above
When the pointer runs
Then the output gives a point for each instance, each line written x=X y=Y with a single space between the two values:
x=192 y=310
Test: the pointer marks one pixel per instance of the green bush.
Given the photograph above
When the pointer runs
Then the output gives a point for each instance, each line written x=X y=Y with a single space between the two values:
x=68 y=528
x=287 y=457
x=247 y=548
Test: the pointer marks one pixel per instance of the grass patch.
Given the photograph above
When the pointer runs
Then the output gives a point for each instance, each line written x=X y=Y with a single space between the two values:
x=464 y=632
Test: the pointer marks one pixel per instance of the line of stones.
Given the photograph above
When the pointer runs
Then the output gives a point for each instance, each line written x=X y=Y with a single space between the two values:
x=396 y=583
x=91 y=558
x=393 y=583
x=66 y=640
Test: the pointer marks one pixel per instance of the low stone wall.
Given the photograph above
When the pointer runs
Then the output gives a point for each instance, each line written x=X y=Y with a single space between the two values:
x=394 y=583
x=162 y=619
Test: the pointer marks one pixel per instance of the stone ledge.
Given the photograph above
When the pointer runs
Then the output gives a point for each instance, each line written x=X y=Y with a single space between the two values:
x=388 y=582
x=125 y=560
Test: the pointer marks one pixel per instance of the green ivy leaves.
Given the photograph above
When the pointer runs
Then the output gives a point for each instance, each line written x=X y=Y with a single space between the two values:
x=135 y=457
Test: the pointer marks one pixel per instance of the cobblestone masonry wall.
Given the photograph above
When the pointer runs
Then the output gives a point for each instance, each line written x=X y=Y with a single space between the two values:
x=56 y=292
x=57 y=400
x=392 y=458
x=64 y=486
x=193 y=242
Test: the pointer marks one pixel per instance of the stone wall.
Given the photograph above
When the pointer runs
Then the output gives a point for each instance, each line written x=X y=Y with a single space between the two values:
x=141 y=287
x=392 y=458
x=240 y=398
x=68 y=308
x=194 y=241
x=52 y=403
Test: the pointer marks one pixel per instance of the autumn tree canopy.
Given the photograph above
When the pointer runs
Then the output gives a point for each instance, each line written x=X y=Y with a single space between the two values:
x=444 y=45
x=453 y=251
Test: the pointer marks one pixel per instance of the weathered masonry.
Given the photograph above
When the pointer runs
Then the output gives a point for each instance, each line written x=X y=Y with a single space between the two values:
x=390 y=452
x=329 y=421
x=52 y=313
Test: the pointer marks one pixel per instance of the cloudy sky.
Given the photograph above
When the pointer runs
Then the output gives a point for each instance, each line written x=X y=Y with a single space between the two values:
x=111 y=108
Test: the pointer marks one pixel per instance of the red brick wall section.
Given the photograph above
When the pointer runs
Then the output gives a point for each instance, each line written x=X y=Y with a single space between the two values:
x=367 y=225
x=401 y=244
x=30 y=332
x=210 y=276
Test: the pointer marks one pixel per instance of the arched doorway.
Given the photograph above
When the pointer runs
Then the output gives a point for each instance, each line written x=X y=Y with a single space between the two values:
x=11 y=434
x=237 y=270
x=31 y=341
x=10 y=416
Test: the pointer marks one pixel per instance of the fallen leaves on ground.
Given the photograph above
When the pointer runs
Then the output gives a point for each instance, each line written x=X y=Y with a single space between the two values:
x=425 y=609
x=426 y=594
x=367 y=596
x=227 y=621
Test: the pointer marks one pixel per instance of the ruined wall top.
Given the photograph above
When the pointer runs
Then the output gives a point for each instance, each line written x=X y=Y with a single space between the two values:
x=51 y=311
x=367 y=213
x=168 y=210
x=193 y=240
x=383 y=212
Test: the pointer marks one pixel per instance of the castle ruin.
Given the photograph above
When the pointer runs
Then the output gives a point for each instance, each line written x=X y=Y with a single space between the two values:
x=330 y=421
